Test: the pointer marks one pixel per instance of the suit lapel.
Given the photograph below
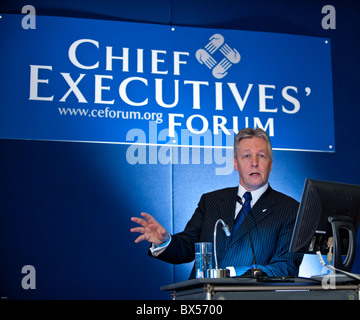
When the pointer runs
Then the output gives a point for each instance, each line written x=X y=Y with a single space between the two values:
x=262 y=208
x=227 y=207
x=227 y=212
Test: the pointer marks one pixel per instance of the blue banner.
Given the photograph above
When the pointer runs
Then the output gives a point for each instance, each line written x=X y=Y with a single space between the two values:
x=119 y=82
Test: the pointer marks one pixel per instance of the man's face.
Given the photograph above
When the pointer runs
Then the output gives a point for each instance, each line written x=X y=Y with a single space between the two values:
x=253 y=163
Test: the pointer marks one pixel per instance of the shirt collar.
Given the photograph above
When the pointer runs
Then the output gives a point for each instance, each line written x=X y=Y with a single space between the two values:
x=255 y=194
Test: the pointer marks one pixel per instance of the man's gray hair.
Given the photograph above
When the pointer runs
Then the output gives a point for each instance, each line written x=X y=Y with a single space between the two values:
x=248 y=133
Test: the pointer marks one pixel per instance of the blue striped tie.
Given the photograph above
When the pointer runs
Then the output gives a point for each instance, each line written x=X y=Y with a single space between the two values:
x=246 y=207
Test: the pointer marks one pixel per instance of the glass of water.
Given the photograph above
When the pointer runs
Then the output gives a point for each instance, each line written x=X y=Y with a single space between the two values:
x=203 y=258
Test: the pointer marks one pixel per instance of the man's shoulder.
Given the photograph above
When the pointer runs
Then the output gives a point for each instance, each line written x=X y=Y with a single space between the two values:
x=283 y=198
x=220 y=193
x=232 y=191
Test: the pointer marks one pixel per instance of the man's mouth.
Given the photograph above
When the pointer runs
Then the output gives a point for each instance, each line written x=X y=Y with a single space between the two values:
x=254 y=174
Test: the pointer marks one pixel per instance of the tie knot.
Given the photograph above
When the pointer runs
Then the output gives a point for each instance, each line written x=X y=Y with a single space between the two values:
x=247 y=196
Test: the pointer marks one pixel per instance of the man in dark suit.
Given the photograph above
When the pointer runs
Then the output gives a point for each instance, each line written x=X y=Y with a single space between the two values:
x=270 y=218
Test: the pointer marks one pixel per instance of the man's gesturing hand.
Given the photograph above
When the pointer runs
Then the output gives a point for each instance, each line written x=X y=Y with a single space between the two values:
x=151 y=230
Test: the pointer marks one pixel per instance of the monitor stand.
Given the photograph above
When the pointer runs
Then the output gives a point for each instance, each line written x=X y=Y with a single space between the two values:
x=338 y=223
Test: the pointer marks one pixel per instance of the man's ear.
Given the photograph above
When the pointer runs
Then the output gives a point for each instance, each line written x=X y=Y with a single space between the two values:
x=235 y=164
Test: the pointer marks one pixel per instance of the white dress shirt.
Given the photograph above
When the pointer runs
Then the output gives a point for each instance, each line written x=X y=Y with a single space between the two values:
x=256 y=194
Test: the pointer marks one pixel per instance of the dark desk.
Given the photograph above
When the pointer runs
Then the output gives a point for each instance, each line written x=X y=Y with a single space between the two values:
x=251 y=289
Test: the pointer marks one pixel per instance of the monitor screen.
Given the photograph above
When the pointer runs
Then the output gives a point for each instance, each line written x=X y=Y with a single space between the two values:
x=321 y=200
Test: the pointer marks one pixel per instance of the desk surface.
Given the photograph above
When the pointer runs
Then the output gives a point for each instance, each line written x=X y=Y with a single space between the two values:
x=270 y=289
x=246 y=282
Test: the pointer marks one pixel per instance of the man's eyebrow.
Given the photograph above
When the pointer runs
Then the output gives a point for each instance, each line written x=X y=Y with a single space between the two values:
x=249 y=150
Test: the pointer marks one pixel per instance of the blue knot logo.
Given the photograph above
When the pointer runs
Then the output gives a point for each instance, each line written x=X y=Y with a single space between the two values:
x=219 y=69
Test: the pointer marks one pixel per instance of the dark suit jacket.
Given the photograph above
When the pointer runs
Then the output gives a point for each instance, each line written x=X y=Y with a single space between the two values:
x=271 y=221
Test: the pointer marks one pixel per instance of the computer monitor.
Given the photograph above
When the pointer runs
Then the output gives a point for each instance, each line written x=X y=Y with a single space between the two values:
x=328 y=209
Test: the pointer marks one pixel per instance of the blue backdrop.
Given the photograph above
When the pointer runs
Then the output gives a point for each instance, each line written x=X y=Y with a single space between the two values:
x=66 y=206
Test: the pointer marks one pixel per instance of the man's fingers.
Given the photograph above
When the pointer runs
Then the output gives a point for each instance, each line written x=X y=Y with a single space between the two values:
x=144 y=223
x=150 y=229
x=139 y=239
x=138 y=229
x=140 y=221
x=147 y=216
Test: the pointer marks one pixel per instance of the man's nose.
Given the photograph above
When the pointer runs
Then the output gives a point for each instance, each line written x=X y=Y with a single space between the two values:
x=255 y=162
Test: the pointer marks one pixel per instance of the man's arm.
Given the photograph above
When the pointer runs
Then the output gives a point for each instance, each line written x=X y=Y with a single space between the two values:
x=284 y=262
